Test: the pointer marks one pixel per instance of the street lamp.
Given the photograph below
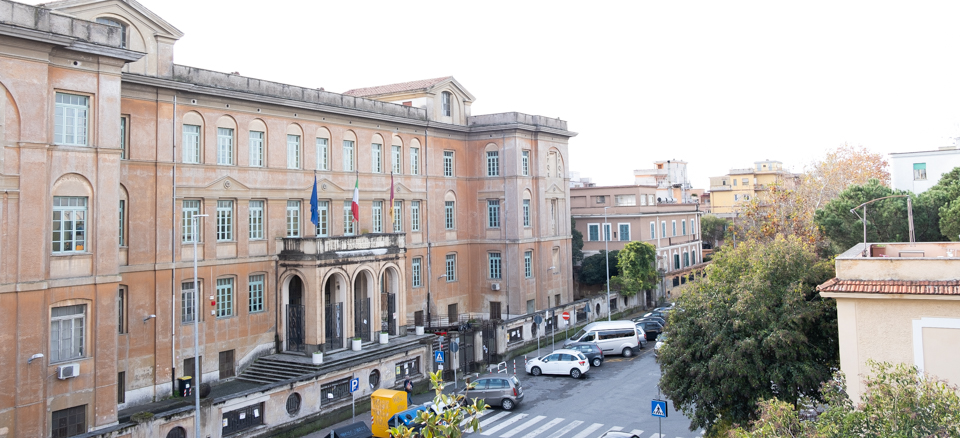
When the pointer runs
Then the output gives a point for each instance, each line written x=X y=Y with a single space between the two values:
x=606 y=250
x=196 y=325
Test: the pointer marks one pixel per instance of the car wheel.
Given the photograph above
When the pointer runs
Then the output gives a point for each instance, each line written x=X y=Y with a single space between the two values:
x=597 y=361
x=575 y=373
x=627 y=352
x=507 y=404
x=535 y=371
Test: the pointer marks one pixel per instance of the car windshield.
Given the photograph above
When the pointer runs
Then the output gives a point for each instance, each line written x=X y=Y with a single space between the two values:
x=579 y=334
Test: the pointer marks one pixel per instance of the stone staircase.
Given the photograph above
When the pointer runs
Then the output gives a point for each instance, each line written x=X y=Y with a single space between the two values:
x=273 y=369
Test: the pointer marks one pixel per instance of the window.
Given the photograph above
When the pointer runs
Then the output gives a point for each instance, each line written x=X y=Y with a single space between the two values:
x=70 y=119
x=348 y=155
x=416 y=272
x=493 y=213
x=676 y=261
x=376 y=151
x=625 y=200
x=122 y=309
x=255 y=286
x=593 y=232
x=653 y=230
x=115 y=23
x=734 y=182
x=124 y=151
x=190 y=231
x=445 y=103
x=224 y=146
x=397 y=216
x=683 y=227
x=686 y=259
x=348 y=224
x=525 y=163
x=624 y=232
x=224 y=297
x=663 y=229
x=651 y=200
x=187 y=302
x=528 y=264
x=674 y=226
x=69 y=422
x=736 y=197
x=414 y=161
x=256 y=220
x=293 y=151
x=323 y=154
x=66 y=332
x=191 y=144
x=121 y=387
x=607 y=232
x=293 y=218
x=493 y=163
x=414 y=215
x=323 y=218
x=451 y=271
x=256 y=149
x=919 y=171
x=397 y=164
x=122 y=213
x=449 y=211
x=377 y=216
x=224 y=220
x=69 y=224
x=745 y=181
x=493 y=262
x=643 y=199
x=601 y=199
x=447 y=163
x=526 y=212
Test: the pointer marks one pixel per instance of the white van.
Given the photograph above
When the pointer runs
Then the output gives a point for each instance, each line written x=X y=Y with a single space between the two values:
x=613 y=337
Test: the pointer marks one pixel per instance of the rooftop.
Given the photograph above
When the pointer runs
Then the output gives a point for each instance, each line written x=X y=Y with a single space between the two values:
x=403 y=87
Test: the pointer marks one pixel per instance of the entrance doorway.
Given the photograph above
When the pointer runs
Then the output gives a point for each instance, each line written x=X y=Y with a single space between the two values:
x=333 y=312
x=295 y=315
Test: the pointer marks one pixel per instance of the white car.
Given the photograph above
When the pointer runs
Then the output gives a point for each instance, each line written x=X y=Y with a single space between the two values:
x=562 y=362
x=662 y=339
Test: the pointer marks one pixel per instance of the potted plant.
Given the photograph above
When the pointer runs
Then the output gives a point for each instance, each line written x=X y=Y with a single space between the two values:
x=317 y=357
x=355 y=343
x=384 y=337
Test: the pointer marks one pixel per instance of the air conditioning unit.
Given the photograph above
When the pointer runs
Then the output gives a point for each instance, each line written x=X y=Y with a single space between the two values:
x=68 y=371
x=495 y=286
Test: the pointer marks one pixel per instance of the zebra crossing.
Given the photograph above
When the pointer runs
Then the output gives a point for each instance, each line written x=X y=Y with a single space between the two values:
x=505 y=424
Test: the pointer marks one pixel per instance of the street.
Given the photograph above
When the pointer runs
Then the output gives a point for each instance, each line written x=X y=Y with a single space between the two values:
x=614 y=396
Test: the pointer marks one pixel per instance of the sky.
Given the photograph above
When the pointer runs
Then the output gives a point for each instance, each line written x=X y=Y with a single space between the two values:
x=718 y=84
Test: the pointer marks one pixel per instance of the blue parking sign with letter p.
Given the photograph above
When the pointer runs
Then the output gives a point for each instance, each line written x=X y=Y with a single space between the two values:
x=354 y=384
x=438 y=357
x=658 y=408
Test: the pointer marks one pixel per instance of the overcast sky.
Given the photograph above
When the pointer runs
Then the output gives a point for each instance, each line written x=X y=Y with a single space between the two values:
x=715 y=83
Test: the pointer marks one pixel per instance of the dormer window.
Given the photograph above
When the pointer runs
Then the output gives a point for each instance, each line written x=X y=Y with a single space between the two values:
x=115 y=23
x=445 y=103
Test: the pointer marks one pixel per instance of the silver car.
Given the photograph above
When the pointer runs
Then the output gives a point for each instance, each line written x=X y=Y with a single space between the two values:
x=497 y=390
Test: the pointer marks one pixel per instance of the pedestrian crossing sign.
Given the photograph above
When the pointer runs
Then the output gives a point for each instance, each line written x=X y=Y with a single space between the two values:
x=658 y=408
x=438 y=357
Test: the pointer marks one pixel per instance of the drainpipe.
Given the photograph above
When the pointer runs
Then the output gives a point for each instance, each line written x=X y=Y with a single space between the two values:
x=503 y=229
x=426 y=223
x=173 y=257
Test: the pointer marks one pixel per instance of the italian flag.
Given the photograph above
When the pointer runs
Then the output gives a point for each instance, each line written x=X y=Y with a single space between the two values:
x=355 y=207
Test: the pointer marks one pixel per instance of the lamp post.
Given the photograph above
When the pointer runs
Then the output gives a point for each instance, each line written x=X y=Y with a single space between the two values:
x=606 y=250
x=196 y=326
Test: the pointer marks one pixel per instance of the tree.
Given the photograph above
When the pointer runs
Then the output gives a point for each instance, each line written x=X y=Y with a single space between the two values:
x=637 y=266
x=447 y=423
x=754 y=327
x=899 y=402
x=945 y=196
x=713 y=228
x=842 y=167
x=594 y=268
x=576 y=242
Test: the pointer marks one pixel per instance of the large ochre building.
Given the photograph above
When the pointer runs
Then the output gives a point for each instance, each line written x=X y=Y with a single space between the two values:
x=116 y=162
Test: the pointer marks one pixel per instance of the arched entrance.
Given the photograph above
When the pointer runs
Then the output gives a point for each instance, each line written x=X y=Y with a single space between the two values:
x=295 y=315
x=362 y=293
x=389 y=285
x=333 y=297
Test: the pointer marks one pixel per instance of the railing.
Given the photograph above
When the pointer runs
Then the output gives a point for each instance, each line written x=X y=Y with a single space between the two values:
x=320 y=245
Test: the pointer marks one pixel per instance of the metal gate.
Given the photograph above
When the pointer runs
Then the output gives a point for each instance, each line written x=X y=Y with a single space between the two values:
x=392 y=314
x=334 y=326
x=467 y=353
x=295 y=328
x=490 y=342
x=361 y=318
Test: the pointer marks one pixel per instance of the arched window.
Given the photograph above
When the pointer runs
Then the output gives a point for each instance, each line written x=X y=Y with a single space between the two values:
x=257 y=133
x=294 y=152
x=116 y=23
x=192 y=151
x=445 y=103
x=323 y=149
x=226 y=143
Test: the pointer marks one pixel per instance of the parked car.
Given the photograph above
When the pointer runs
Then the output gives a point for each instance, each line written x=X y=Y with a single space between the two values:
x=651 y=329
x=660 y=342
x=407 y=418
x=562 y=362
x=496 y=390
x=613 y=337
x=661 y=321
x=656 y=313
x=589 y=349
x=664 y=308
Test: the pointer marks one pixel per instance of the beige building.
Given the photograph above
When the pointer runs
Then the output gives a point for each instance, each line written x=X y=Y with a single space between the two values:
x=116 y=161
x=741 y=185
x=900 y=305
x=612 y=216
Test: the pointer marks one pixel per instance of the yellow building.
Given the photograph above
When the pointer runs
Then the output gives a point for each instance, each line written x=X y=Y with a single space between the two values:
x=729 y=191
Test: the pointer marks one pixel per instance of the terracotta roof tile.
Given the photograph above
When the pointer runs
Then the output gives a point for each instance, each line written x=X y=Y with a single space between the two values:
x=924 y=287
x=422 y=84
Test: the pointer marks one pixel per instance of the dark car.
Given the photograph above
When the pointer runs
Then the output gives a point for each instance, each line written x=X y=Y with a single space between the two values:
x=497 y=390
x=661 y=321
x=589 y=349
x=407 y=418
x=651 y=328
x=656 y=313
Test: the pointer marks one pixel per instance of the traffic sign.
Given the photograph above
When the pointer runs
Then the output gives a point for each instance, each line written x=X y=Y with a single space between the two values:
x=566 y=316
x=658 y=408
x=537 y=318
x=454 y=347
x=354 y=384
x=438 y=357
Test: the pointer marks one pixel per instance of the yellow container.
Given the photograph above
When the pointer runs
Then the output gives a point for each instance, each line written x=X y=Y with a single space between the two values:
x=385 y=403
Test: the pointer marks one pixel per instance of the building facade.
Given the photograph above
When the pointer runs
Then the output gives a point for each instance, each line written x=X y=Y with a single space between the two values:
x=117 y=163
x=918 y=171
x=670 y=179
x=899 y=303
x=740 y=185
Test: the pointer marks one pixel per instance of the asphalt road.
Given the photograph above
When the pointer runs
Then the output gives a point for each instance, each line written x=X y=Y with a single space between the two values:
x=616 y=395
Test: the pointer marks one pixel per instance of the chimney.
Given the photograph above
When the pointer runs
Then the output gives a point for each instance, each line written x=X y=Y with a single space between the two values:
x=408 y=103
